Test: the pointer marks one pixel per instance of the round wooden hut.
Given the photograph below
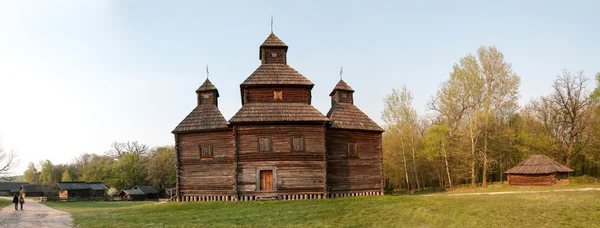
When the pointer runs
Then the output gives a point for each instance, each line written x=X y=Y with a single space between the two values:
x=538 y=170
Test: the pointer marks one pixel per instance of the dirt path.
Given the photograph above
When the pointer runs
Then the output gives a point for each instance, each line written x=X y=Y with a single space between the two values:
x=34 y=214
x=515 y=192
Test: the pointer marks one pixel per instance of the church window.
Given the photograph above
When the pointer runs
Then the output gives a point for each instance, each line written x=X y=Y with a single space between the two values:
x=277 y=95
x=298 y=143
x=206 y=151
x=265 y=144
x=352 y=150
x=274 y=54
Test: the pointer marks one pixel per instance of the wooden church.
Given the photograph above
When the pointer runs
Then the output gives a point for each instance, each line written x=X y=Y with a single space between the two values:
x=277 y=146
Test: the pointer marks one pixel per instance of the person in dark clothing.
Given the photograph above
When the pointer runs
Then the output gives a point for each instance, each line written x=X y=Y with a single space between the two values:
x=16 y=201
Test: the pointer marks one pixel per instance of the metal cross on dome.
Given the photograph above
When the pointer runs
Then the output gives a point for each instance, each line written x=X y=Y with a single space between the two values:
x=271 y=23
x=341 y=71
x=207 y=73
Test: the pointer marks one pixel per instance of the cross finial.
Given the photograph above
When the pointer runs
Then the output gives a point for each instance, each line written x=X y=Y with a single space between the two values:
x=341 y=71
x=271 y=23
x=207 y=73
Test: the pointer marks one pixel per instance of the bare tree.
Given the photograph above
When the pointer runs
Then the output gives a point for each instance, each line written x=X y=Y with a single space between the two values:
x=567 y=112
x=118 y=149
x=7 y=161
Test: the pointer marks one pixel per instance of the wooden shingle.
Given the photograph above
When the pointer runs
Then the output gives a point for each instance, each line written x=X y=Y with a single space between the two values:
x=538 y=164
x=277 y=112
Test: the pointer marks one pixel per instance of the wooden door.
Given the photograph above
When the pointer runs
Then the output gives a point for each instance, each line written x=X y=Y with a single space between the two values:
x=266 y=180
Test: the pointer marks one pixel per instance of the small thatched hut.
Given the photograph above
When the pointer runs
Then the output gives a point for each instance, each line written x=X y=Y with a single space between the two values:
x=538 y=170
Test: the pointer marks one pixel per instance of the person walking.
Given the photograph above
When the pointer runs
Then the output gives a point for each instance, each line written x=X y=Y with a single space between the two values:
x=16 y=201
x=21 y=201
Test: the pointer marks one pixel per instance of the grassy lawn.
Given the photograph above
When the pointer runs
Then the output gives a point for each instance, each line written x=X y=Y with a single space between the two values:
x=547 y=209
x=4 y=203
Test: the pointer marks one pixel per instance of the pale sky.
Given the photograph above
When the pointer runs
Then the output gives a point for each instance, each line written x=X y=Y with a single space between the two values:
x=77 y=75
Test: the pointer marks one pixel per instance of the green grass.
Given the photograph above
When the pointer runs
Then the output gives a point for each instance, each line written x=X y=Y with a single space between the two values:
x=528 y=209
x=4 y=203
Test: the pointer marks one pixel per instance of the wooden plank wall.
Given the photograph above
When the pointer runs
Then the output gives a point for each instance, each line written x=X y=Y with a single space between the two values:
x=294 y=172
x=207 y=177
x=532 y=180
x=289 y=94
x=353 y=175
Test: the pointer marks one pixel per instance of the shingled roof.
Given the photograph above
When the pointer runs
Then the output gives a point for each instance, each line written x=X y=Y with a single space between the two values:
x=273 y=41
x=276 y=74
x=348 y=116
x=146 y=189
x=207 y=86
x=29 y=188
x=203 y=117
x=538 y=164
x=7 y=186
x=341 y=85
x=277 y=112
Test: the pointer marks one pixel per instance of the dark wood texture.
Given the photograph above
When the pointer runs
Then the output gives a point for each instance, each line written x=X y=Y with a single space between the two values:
x=301 y=94
x=209 y=176
x=295 y=172
x=360 y=173
x=538 y=179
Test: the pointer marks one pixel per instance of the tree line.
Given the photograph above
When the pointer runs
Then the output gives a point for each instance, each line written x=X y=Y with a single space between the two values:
x=474 y=129
x=125 y=165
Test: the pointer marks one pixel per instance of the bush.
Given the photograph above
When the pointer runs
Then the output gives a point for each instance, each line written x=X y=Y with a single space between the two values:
x=585 y=179
x=112 y=192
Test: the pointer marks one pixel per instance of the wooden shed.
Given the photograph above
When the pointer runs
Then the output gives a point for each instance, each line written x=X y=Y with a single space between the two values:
x=277 y=145
x=9 y=188
x=81 y=190
x=132 y=194
x=538 y=170
x=32 y=190
x=150 y=191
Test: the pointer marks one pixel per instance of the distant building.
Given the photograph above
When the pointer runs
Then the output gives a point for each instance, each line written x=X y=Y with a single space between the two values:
x=277 y=146
x=150 y=191
x=538 y=170
x=81 y=190
x=132 y=194
x=10 y=188
x=32 y=190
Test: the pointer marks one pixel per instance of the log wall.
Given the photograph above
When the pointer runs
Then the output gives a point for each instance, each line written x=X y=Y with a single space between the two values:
x=301 y=172
x=532 y=179
x=266 y=94
x=207 y=177
x=348 y=174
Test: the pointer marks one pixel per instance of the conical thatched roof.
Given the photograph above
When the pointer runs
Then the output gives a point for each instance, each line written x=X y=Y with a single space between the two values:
x=348 y=116
x=206 y=86
x=203 y=117
x=276 y=74
x=341 y=85
x=273 y=41
x=538 y=164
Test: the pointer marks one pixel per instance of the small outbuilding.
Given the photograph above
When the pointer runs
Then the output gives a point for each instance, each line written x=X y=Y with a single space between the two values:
x=132 y=194
x=81 y=190
x=32 y=190
x=538 y=170
x=149 y=191
x=10 y=188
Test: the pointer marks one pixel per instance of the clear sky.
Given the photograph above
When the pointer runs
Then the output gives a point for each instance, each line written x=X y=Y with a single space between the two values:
x=77 y=75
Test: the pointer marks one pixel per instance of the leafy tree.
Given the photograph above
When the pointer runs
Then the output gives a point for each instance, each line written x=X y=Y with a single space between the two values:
x=162 y=166
x=66 y=176
x=129 y=171
x=31 y=175
x=47 y=176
